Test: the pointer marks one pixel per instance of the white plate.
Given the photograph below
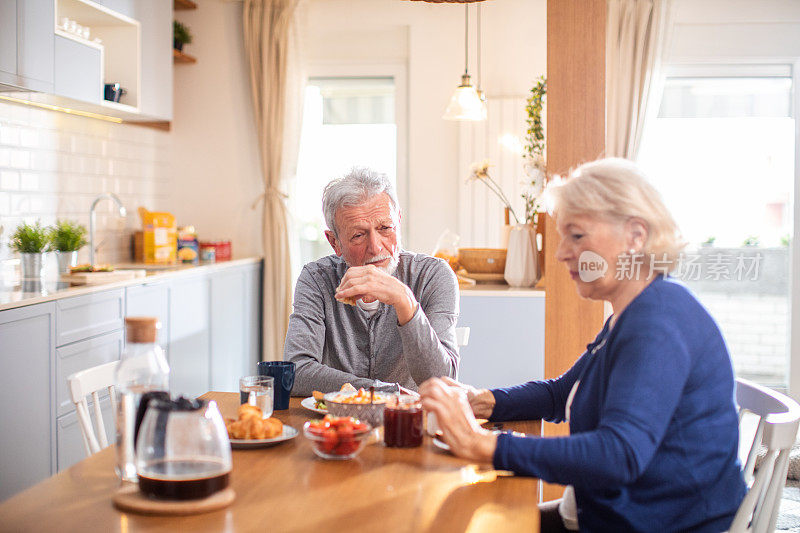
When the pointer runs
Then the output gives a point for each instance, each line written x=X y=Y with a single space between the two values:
x=311 y=404
x=243 y=444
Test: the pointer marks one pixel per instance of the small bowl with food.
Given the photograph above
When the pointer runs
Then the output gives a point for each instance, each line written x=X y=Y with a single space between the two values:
x=337 y=437
x=362 y=404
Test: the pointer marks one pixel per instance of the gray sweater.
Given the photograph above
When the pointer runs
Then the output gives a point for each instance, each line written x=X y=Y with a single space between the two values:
x=333 y=343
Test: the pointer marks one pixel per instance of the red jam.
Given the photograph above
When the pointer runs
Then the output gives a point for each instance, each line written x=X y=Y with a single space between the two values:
x=402 y=424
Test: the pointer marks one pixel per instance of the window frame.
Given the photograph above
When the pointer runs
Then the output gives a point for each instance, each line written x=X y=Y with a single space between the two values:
x=766 y=67
x=398 y=71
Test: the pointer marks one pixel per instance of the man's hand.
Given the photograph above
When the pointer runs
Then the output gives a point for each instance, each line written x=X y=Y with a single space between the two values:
x=371 y=283
x=459 y=428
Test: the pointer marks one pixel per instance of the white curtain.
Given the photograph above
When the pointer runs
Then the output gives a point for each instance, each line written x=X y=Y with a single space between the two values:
x=636 y=37
x=269 y=40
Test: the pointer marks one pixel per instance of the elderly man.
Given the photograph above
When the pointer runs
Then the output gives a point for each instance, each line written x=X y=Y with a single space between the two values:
x=401 y=328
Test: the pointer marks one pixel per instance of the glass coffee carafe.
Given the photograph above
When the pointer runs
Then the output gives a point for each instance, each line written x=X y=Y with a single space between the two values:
x=182 y=450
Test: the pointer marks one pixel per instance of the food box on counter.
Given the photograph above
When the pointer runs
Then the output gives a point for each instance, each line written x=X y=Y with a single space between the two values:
x=222 y=249
x=159 y=235
x=188 y=247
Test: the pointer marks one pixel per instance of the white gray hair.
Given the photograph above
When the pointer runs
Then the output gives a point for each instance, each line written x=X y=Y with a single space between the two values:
x=355 y=187
x=617 y=189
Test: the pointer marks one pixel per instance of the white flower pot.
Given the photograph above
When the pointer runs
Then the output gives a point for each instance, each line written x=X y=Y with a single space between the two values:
x=522 y=259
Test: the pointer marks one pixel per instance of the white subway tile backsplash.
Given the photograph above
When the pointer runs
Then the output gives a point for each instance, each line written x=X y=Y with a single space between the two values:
x=9 y=135
x=29 y=138
x=54 y=165
x=20 y=159
x=9 y=180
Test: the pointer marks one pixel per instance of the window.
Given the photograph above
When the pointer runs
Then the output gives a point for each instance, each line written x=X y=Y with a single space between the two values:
x=722 y=152
x=347 y=122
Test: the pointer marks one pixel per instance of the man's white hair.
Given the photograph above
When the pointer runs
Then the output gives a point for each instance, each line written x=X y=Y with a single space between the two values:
x=354 y=188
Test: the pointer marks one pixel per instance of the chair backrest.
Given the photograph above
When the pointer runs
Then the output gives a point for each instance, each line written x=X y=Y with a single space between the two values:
x=90 y=382
x=779 y=417
x=462 y=336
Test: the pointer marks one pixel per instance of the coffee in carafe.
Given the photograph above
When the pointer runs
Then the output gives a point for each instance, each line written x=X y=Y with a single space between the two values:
x=182 y=451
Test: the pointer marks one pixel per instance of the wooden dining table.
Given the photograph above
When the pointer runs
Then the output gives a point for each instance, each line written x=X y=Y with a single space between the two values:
x=288 y=488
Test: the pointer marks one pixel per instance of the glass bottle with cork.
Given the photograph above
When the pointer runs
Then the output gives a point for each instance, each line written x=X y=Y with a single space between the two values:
x=142 y=368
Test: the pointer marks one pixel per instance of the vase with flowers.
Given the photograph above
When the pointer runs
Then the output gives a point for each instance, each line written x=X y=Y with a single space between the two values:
x=522 y=259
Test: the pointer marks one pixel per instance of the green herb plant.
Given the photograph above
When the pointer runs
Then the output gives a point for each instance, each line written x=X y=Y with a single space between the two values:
x=68 y=236
x=30 y=239
x=181 y=33
x=534 y=150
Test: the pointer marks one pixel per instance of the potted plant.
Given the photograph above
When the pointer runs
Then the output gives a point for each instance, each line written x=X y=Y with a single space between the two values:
x=67 y=238
x=32 y=241
x=180 y=35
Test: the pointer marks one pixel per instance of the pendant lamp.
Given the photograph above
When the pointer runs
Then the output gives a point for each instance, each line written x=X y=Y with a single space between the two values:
x=466 y=103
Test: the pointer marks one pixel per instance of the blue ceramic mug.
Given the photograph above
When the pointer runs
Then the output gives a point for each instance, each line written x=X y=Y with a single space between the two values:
x=283 y=373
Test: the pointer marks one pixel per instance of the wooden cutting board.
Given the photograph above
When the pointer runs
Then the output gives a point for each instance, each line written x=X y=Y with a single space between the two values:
x=97 y=278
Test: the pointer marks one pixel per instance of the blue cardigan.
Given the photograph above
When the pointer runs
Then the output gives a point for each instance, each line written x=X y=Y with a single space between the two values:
x=653 y=426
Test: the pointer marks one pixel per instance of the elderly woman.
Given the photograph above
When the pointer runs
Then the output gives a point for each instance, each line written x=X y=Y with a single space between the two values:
x=650 y=404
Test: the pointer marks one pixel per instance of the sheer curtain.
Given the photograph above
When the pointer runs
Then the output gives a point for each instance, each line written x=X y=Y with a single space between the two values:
x=636 y=37
x=270 y=46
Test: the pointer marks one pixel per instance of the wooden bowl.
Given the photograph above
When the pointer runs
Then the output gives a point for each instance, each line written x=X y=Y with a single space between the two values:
x=482 y=260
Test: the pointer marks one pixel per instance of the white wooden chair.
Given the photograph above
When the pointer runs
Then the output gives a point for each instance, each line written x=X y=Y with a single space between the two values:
x=779 y=417
x=462 y=336
x=90 y=382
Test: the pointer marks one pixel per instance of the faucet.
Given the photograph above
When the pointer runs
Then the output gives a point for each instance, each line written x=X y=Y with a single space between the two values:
x=122 y=213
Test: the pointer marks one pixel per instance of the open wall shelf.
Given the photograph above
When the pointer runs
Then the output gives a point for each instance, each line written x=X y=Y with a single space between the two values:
x=118 y=60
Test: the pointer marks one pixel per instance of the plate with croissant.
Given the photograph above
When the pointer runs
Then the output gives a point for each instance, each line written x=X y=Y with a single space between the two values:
x=250 y=430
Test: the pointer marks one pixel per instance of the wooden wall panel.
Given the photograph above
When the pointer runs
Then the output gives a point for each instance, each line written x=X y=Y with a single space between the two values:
x=576 y=44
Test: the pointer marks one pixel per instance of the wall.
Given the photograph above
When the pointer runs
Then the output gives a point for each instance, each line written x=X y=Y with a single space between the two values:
x=428 y=39
x=214 y=160
x=53 y=165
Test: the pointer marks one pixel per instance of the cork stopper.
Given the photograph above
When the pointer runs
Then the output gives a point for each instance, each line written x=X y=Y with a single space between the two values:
x=142 y=329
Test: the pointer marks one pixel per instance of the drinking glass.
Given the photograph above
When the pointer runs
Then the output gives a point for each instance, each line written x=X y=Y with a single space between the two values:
x=258 y=391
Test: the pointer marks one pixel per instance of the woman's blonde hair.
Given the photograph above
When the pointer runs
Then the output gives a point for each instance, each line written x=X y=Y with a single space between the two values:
x=616 y=189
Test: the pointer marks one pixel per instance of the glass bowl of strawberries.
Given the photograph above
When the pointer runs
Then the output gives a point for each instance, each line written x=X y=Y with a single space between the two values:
x=337 y=437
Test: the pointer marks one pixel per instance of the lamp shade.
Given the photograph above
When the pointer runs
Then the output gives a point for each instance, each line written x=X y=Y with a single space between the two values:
x=466 y=103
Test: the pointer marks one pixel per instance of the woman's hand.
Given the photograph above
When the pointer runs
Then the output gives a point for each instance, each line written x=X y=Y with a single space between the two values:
x=461 y=431
x=481 y=400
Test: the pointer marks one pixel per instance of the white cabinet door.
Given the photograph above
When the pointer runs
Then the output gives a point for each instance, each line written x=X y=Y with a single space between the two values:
x=189 y=354
x=27 y=343
x=228 y=355
x=70 y=440
x=8 y=37
x=155 y=16
x=252 y=315
x=35 y=48
x=78 y=71
x=150 y=299
x=80 y=356
x=506 y=340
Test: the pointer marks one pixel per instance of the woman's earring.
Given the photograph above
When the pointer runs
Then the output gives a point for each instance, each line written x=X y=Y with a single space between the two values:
x=631 y=252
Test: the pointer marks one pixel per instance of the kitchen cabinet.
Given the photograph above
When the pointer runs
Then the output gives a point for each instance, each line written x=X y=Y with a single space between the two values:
x=189 y=350
x=82 y=317
x=80 y=356
x=27 y=44
x=155 y=98
x=211 y=332
x=69 y=439
x=150 y=299
x=26 y=404
x=506 y=339
x=8 y=37
x=235 y=318
x=76 y=70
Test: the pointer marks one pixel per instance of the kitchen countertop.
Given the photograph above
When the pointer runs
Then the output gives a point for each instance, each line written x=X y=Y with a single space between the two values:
x=27 y=292
x=497 y=289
